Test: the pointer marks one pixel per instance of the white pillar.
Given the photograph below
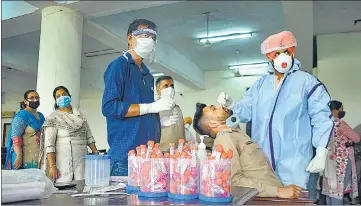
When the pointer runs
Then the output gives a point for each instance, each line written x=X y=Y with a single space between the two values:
x=59 y=55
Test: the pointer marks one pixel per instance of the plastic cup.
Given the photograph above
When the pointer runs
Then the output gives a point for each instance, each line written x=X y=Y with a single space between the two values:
x=215 y=180
x=133 y=173
x=154 y=177
x=184 y=175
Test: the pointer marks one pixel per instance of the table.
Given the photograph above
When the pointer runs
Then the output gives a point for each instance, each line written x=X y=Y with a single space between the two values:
x=238 y=193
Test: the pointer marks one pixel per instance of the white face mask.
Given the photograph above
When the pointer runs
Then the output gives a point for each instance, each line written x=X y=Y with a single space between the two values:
x=282 y=63
x=187 y=126
x=145 y=47
x=167 y=92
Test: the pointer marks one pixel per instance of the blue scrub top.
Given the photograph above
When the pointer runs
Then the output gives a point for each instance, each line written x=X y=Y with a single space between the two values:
x=126 y=84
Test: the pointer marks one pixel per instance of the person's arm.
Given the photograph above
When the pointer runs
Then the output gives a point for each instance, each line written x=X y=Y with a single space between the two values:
x=90 y=139
x=50 y=134
x=243 y=108
x=346 y=130
x=320 y=114
x=112 y=103
x=18 y=127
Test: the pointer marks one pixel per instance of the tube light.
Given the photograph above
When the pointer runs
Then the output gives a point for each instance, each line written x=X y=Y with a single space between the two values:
x=225 y=37
x=247 y=66
x=158 y=74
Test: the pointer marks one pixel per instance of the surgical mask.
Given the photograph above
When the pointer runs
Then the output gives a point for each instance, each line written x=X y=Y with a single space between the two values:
x=167 y=92
x=283 y=63
x=341 y=114
x=145 y=47
x=34 y=105
x=187 y=126
x=63 y=101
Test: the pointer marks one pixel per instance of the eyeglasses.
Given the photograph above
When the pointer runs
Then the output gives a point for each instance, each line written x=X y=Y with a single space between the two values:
x=146 y=36
x=33 y=99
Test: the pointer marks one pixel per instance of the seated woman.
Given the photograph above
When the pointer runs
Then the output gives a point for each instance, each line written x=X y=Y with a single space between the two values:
x=23 y=140
x=65 y=137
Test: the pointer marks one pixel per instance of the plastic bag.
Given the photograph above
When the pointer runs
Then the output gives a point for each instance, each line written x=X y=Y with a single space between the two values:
x=26 y=184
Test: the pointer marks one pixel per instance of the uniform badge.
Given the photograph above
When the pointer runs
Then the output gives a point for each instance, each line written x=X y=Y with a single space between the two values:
x=249 y=142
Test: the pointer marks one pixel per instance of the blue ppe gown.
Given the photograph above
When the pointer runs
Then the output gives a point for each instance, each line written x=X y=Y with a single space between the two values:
x=126 y=84
x=287 y=121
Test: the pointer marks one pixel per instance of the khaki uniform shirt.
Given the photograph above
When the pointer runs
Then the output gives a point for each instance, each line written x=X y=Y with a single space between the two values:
x=172 y=133
x=250 y=166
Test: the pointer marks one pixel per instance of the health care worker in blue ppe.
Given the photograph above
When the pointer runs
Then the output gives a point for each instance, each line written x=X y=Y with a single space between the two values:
x=128 y=100
x=289 y=113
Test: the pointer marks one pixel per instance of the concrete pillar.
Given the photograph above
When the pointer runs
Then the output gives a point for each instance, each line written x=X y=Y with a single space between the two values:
x=59 y=55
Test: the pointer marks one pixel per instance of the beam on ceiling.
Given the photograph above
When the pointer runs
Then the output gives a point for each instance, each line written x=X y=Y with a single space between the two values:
x=298 y=17
x=168 y=60
x=9 y=63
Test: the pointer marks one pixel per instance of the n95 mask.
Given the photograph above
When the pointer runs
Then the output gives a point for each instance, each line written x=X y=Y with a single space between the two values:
x=282 y=63
x=167 y=92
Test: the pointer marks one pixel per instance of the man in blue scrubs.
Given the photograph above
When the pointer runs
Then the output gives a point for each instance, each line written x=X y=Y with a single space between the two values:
x=128 y=99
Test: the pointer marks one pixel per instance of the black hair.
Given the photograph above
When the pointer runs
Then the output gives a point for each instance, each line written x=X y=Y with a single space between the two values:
x=335 y=105
x=161 y=78
x=26 y=94
x=197 y=119
x=136 y=23
x=54 y=94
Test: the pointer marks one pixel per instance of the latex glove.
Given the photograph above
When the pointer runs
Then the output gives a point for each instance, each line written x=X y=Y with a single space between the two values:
x=225 y=100
x=169 y=121
x=160 y=105
x=318 y=163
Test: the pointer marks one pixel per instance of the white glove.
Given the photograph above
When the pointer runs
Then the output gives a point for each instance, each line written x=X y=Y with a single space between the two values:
x=318 y=163
x=156 y=107
x=225 y=100
x=169 y=121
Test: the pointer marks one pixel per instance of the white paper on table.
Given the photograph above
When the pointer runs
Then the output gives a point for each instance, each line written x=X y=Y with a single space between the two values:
x=21 y=192
x=119 y=178
x=99 y=190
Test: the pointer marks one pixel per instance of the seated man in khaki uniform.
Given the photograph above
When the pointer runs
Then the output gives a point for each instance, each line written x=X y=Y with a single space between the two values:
x=250 y=166
x=171 y=121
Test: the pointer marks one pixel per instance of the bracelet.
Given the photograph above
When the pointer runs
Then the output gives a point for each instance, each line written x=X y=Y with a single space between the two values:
x=19 y=154
x=52 y=166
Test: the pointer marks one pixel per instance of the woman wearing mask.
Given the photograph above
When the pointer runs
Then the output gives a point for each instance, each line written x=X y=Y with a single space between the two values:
x=340 y=172
x=24 y=136
x=65 y=137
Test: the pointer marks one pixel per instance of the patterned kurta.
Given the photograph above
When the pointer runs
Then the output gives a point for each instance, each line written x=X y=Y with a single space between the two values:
x=67 y=135
x=343 y=134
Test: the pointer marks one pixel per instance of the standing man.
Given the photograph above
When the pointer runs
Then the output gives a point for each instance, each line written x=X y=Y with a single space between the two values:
x=289 y=113
x=128 y=99
x=171 y=120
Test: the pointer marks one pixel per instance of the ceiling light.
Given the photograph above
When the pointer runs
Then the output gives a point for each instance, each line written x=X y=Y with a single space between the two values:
x=225 y=37
x=65 y=2
x=248 y=66
x=158 y=74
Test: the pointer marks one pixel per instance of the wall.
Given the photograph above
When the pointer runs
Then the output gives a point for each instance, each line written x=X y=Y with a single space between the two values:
x=339 y=68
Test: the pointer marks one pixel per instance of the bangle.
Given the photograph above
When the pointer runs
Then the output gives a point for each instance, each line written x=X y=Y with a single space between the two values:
x=19 y=154
x=52 y=166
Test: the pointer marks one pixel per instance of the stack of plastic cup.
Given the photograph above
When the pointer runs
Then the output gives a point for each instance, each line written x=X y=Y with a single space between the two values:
x=184 y=174
x=215 y=178
x=133 y=172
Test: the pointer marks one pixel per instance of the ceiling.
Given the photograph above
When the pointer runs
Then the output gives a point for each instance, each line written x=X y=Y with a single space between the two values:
x=182 y=31
x=180 y=24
